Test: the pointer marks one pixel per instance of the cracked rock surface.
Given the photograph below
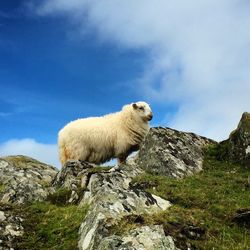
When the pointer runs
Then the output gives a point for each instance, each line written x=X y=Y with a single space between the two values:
x=22 y=180
x=146 y=237
x=239 y=142
x=172 y=153
x=111 y=197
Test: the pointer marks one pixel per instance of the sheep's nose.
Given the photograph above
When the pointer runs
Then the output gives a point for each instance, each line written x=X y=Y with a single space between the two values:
x=150 y=116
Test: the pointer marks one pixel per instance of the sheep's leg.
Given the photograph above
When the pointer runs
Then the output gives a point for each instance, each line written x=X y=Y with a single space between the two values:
x=120 y=161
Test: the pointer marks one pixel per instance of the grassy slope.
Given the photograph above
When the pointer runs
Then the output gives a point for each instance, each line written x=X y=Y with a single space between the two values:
x=205 y=203
x=51 y=224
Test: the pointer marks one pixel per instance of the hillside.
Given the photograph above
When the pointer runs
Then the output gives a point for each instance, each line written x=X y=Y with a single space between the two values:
x=181 y=191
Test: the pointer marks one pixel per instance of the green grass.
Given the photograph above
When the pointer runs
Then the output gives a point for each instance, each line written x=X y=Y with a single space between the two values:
x=49 y=226
x=52 y=224
x=2 y=187
x=24 y=162
x=207 y=200
x=60 y=197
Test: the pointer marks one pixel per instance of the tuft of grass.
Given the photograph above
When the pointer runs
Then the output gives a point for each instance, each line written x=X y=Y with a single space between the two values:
x=206 y=201
x=219 y=151
x=49 y=226
x=60 y=197
x=2 y=187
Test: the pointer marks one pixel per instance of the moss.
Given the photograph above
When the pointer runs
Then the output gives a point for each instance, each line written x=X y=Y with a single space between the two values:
x=49 y=226
x=207 y=200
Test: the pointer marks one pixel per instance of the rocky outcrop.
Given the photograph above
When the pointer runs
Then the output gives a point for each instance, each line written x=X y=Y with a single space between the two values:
x=110 y=197
x=173 y=153
x=239 y=142
x=22 y=180
x=146 y=237
x=11 y=228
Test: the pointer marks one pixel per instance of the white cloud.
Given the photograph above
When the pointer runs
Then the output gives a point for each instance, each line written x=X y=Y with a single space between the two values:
x=199 y=53
x=46 y=153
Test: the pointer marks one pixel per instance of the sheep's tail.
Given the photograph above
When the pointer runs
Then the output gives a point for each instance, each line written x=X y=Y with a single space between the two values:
x=63 y=155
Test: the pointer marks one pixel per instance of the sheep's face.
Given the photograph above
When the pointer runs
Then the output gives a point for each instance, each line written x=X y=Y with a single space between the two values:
x=143 y=110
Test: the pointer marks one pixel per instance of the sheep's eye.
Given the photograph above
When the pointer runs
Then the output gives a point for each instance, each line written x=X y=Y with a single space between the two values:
x=141 y=108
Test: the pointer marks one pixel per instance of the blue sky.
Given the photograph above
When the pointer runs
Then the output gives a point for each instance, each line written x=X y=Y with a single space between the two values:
x=61 y=60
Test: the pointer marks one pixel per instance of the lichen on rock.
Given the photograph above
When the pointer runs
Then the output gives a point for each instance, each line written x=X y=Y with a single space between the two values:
x=172 y=153
x=110 y=197
x=239 y=142
x=24 y=179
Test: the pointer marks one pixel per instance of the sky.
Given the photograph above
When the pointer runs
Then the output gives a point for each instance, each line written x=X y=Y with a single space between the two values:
x=61 y=60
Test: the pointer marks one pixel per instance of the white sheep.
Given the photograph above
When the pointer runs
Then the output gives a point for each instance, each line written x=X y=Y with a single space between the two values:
x=99 y=139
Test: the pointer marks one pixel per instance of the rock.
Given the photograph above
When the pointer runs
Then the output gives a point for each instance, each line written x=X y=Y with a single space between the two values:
x=11 y=229
x=109 y=197
x=173 y=153
x=2 y=216
x=24 y=179
x=193 y=232
x=242 y=218
x=239 y=142
x=142 y=238
x=75 y=176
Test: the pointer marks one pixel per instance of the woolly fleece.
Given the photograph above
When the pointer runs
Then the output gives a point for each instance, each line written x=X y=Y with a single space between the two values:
x=99 y=139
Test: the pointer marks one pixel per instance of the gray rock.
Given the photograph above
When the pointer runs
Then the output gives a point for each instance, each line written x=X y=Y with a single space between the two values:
x=109 y=197
x=173 y=153
x=75 y=176
x=2 y=216
x=11 y=228
x=242 y=218
x=24 y=179
x=142 y=238
x=239 y=142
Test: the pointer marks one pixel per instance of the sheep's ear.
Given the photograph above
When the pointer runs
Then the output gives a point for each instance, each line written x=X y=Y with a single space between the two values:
x=134 y=105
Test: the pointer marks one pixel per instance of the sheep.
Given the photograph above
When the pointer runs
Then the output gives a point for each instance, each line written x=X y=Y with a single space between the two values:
x=99 y=139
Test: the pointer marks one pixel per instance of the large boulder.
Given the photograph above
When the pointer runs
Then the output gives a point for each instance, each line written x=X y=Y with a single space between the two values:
x=24 y=179
x=11 y=228
x=239 y=142
x=172 y=153
x=144 y=238
x=110 y=198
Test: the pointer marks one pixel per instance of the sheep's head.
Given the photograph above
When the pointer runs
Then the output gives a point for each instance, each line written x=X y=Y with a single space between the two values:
x=143 y=110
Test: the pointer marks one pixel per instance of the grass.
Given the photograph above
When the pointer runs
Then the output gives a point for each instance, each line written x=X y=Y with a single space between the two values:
x=23 y=162
x=49 y=226
x=206 y=201
x=60 y=197
x=52 y=224
x=2 y=187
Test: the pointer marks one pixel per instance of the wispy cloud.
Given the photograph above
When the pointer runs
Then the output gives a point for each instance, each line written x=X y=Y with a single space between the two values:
x=46 y=153
x=198 y=53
